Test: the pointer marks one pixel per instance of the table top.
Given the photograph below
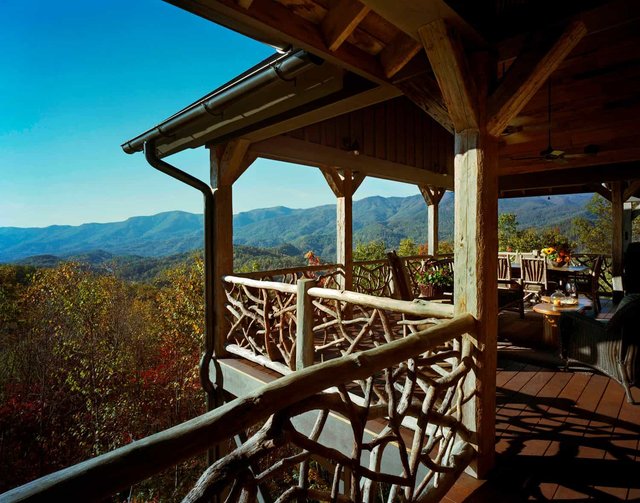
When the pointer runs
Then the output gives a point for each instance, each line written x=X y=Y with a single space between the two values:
x=551 y=310
x=567 y=269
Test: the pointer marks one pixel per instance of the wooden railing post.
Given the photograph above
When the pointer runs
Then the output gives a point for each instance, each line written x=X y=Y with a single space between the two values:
x=304 y=328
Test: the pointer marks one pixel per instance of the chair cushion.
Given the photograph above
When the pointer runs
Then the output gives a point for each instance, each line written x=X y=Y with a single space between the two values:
x=628 y=309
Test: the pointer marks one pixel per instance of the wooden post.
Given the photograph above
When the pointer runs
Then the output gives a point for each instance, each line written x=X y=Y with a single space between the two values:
x=478 y=118
x=227 y=163
x=627 y=225
x=304 y=327
x=432 y=196
x=617 y=248
x=476 y=222
x=344 y=184
x=475 y=287
x=344 y=226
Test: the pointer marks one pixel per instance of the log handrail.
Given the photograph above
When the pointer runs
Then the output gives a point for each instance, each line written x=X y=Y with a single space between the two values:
x=109 y=473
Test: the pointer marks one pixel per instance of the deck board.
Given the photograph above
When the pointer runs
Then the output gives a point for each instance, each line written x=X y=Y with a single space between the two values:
x=561 y=435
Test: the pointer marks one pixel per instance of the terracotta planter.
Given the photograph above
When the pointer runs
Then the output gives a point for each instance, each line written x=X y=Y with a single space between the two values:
x=431 y=291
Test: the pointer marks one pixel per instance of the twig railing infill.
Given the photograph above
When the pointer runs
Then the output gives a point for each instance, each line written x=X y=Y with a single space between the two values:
x=411 y=411
x=267 y=321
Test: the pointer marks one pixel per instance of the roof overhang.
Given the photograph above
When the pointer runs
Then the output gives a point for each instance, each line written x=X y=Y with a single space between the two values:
x=278 y=85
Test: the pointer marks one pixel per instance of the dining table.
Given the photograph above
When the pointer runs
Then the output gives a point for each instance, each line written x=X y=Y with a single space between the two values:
x=561 y=273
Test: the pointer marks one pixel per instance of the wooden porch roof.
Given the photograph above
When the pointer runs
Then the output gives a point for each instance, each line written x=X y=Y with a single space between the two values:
x=594 y=84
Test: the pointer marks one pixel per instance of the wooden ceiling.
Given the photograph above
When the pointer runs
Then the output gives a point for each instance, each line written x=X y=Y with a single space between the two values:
x=595 y=92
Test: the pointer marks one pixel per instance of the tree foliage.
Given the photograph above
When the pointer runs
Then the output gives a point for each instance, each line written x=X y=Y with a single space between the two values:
x=90 y=363
x=373 y=250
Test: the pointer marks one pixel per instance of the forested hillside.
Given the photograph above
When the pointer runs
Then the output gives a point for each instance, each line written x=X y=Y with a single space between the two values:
x=374 y=218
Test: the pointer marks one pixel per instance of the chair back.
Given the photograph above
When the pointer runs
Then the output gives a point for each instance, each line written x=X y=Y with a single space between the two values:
x=402 y=283
x=534 y=272
x=596 y=272
x=504 y=268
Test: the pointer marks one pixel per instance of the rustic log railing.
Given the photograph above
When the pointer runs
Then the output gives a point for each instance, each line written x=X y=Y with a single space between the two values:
x=588 y=260
x=284 y=326
x=410 y=409
x=372 y=277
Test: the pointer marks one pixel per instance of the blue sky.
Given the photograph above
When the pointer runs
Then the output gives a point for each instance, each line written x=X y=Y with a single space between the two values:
x=78 y=78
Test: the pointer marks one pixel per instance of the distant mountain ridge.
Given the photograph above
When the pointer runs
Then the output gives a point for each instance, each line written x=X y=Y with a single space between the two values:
x=175 y=232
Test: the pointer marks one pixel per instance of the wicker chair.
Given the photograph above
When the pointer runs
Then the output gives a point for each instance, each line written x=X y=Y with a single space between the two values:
x=611 y=347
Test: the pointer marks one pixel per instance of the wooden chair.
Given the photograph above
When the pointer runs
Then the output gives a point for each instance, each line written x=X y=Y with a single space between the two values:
x=589 y=285
x=510 y=292
x=611 y=347
x=403 y=287
x=534 y=276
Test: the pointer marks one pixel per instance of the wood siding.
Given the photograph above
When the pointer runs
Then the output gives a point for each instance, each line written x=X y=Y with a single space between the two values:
x=395 y=131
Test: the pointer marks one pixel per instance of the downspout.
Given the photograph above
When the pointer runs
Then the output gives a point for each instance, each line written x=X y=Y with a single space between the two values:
x=208 y=193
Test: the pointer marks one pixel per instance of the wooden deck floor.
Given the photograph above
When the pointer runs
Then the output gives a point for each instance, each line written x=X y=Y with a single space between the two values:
x=561 y=435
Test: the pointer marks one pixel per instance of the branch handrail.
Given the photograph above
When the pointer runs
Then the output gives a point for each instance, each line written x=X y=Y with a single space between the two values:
x=109 y=473
x=283 y=326
x=289 y=270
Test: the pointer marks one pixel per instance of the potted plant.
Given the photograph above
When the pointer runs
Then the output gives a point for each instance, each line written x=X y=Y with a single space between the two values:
x=433 y=281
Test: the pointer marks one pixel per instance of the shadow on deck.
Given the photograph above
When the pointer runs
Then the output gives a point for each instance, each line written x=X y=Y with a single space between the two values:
x=561 y=435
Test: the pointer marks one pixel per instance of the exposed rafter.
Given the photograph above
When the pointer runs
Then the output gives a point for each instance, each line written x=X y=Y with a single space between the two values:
x=341 y=20
x=395 y=56
x=525 y=77
x=449 y=64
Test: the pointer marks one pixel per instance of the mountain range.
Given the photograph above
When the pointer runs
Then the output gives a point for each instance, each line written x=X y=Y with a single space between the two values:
x=390 y=219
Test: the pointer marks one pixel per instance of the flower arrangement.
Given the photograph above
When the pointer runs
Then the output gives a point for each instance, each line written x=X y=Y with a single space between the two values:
x=558 y=256
x=436 y=276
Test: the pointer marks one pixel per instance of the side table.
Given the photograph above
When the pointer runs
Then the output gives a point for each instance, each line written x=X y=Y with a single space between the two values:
x=551 y=314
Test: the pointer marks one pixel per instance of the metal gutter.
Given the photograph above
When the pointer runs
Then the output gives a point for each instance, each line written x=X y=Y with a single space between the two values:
x=282 y=67
x=209 y=249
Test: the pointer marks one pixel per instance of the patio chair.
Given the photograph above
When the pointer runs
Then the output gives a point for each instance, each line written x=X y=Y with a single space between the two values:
x=403 y=287
x=534 y=276
x=611 y=347
x=589 y=284
x=510 y=292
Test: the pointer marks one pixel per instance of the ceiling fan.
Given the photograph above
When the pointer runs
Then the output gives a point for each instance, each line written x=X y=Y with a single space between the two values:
x=551 y=154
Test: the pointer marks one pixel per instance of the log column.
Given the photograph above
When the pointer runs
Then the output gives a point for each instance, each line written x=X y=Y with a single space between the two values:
x=478 y=119
x=343 y=184
x=432 y=196
x=227 y=163
x=617 y=243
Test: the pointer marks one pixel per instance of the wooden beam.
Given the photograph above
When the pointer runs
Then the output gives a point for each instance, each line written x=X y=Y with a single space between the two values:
x=548 y=191
x=449 y=64
x=431 y=194
x=358 y=178
x=232 y=162
x=410 y=15
x=398 y=53
x=525 y=77
x=333 y=179
x=424 y=92
x=271 y=22
x=592 y=175
x=288 y=149
x=341 y=20
x=634 y=186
